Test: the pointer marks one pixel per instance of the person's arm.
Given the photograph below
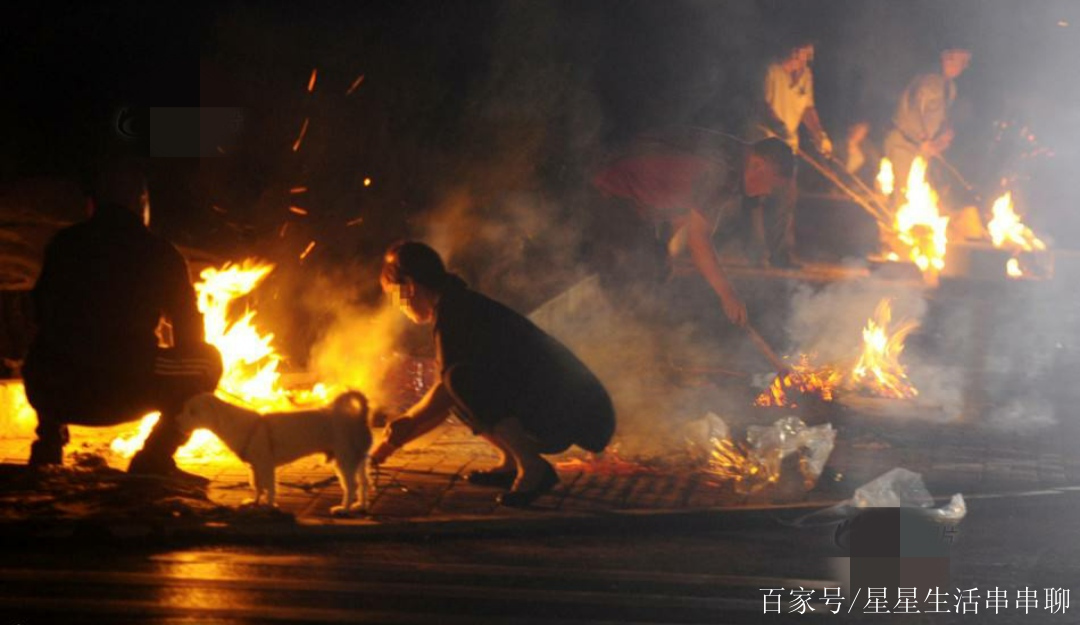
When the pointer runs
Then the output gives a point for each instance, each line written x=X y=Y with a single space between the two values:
x=181 y=305
x=425 y=416
x=813 y=124
x=932 y=114
x=699 y=238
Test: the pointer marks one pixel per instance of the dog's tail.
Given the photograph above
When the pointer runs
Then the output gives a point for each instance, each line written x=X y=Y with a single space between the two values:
x=352 y=403
x=353 y=406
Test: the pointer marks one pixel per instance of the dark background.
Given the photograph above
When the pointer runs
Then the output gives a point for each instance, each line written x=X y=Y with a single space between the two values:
x=491 y=101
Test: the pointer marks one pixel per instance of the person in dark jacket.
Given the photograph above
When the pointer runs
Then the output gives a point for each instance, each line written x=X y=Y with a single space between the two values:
x=512 y=383
x=96 y=358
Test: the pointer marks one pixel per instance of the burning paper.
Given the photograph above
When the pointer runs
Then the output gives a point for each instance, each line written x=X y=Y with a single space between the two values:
x=886 y=180
x=1008 y=232
x=920 y=226
x=878 y=370
x=805 y=378
x=250 y=360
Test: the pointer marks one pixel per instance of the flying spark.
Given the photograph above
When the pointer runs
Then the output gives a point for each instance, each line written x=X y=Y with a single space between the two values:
x=355 y=84
x=300 y=139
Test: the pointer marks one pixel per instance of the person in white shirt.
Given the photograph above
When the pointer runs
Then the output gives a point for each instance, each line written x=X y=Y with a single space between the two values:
x=787 y=104
x=921 y=124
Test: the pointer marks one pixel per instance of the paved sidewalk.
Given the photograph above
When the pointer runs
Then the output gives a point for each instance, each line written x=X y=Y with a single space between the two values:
x=423 y=486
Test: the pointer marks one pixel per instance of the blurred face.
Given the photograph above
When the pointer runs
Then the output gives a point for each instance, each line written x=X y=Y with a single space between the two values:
x=415 y=302
x=954 y=62
x=760 y=177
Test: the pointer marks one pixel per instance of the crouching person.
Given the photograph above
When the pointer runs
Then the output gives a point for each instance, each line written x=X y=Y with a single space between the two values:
x=104 y=286
x=512 y=383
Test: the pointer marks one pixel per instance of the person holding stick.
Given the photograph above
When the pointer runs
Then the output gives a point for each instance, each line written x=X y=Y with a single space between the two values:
x=675 y=199
x=787 y=105
x=921 y=125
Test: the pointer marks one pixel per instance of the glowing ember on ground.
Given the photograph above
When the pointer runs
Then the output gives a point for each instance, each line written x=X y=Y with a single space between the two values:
x=879 y=371
x=1008 y=232
x=1012 y=268
x=919 y=224
x=886 y=180
x=805 y=379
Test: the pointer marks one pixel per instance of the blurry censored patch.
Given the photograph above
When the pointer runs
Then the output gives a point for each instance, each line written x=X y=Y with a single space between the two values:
x=180 y=131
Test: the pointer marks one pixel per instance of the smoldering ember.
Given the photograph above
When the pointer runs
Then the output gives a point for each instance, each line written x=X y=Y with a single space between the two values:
x=540 y=311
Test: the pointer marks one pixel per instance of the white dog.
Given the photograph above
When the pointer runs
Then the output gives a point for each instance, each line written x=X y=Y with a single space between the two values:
x=265 y=442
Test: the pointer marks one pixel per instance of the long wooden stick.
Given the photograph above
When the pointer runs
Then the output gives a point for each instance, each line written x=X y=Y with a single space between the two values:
x=781 y=367
x=881 y=215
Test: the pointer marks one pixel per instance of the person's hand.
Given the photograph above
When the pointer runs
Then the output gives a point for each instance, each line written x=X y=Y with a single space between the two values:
x=734 y=308
x=939 y=144
x=825 y=145
x=384 y=451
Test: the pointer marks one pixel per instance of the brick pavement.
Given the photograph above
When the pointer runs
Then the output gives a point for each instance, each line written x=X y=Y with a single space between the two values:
x=424 y=482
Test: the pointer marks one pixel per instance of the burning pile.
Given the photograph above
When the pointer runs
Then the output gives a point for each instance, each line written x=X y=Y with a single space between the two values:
x=919 y=224
x=1008 y=232
x=877 y=370
x=805 y=378
x=251 y=362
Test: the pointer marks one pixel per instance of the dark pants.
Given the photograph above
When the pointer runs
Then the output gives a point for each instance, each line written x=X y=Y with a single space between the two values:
x=772 y=227
x=116 y=392
x=556 y=408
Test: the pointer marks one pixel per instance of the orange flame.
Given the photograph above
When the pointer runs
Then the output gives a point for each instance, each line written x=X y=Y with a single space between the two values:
x=879 y=370
x=251 y=362
x=886 y=180
x=804 y=379
x=1007 y=231
x=920 y=225
x=1012 y=268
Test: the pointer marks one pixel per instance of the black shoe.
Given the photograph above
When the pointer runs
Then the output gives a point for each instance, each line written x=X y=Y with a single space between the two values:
x=524 y=498
x=495 y=479
x=146 y=466
x=42 y=455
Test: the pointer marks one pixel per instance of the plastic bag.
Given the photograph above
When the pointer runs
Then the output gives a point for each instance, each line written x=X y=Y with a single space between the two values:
x=770 y=445
x=901 y=488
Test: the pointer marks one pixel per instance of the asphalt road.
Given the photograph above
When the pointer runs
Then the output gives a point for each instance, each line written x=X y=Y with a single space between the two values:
x=701 y=571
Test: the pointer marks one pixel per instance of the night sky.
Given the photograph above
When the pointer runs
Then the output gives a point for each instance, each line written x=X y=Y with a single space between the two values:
x=489 y=99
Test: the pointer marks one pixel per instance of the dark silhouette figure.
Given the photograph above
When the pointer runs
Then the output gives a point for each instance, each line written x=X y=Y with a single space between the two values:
x=96 y=359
